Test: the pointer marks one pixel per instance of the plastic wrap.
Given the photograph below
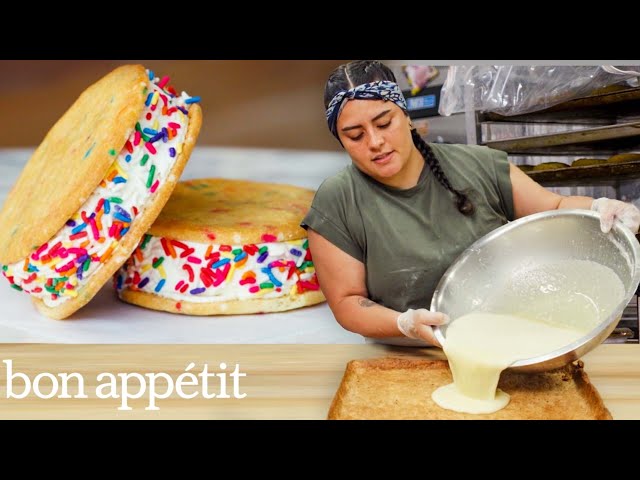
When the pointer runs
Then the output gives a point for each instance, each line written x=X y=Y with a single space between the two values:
x=514 y=90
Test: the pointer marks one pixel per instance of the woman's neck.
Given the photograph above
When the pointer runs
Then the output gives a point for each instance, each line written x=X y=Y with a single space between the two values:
x=409 y=175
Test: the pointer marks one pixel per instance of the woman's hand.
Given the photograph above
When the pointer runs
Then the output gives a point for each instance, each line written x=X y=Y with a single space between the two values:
x=417 y=324
x=612 y=210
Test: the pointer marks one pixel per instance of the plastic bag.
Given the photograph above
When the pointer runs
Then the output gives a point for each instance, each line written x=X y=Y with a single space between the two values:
x=515 y=89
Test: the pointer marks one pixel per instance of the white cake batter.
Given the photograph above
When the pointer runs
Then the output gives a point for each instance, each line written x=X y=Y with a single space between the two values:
x=540 y=309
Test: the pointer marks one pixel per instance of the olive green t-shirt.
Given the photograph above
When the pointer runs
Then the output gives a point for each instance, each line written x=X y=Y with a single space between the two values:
x=407 y=238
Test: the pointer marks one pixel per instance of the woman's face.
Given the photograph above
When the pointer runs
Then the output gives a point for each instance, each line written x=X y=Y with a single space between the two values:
x=377 y=137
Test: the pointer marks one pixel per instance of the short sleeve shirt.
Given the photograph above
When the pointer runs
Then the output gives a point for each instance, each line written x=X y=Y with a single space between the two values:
x=407 y=238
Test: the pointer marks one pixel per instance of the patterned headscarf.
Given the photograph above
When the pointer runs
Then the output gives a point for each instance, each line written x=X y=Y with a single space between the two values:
x=381 y=90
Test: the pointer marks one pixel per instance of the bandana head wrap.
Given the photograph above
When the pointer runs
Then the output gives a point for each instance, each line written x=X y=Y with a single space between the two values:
x=381 y=90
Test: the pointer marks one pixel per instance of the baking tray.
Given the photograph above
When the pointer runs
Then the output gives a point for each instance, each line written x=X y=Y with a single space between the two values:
x=606 y=172
x=605 y=105
x=543 y=143
x=398 y=388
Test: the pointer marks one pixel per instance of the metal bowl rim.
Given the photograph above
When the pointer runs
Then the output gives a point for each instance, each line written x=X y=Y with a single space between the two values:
x=625 y=232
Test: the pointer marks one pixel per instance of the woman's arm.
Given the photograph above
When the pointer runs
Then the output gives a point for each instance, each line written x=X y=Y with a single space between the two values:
x=342 y=279
x=530 y=197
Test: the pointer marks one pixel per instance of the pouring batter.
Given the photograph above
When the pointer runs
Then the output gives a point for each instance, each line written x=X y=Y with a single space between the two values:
x=540 y=310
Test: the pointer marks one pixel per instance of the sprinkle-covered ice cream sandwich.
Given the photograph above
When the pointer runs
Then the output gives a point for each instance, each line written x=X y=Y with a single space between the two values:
x=94 y=186
x=224 y=247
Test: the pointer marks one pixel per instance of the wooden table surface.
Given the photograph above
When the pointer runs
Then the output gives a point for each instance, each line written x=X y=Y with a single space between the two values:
x=282 y=382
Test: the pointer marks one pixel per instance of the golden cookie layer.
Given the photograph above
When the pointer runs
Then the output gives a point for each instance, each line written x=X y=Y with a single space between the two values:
x=224 y=211
x=71 y=161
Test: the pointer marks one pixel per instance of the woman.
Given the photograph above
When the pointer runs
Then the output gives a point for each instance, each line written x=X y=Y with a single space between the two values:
x=385 y=229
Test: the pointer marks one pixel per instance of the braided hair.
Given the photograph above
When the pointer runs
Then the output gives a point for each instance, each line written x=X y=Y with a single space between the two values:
x=463 y=203
x=356 y=73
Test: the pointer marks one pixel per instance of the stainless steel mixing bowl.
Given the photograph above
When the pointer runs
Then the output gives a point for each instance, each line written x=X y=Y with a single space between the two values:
x=543 y=237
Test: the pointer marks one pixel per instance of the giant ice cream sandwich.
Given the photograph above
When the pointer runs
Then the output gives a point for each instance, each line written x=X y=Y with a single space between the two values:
x=225 y=247
x=94 y=186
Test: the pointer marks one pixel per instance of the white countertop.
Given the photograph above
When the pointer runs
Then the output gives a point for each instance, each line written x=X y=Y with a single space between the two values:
x=108 y=320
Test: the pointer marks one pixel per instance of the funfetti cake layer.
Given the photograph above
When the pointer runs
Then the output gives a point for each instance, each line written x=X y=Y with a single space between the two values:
x=225 y=247
x=119 y=183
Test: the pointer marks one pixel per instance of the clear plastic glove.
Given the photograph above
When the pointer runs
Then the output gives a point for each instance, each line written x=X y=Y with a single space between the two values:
x=612 y=210
x=417 y=324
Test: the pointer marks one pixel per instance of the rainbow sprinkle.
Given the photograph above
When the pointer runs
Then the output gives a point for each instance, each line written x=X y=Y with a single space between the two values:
x=56 y=270
x=219 y=272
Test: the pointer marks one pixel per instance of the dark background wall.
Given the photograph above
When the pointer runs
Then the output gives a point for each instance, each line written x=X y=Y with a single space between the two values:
x=261 y=103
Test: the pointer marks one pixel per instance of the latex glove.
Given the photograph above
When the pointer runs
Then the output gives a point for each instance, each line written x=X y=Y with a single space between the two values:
x=611 y=210
x=417 y=324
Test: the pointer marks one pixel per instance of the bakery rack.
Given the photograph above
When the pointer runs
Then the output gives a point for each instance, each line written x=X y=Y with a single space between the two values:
x=599 y=126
